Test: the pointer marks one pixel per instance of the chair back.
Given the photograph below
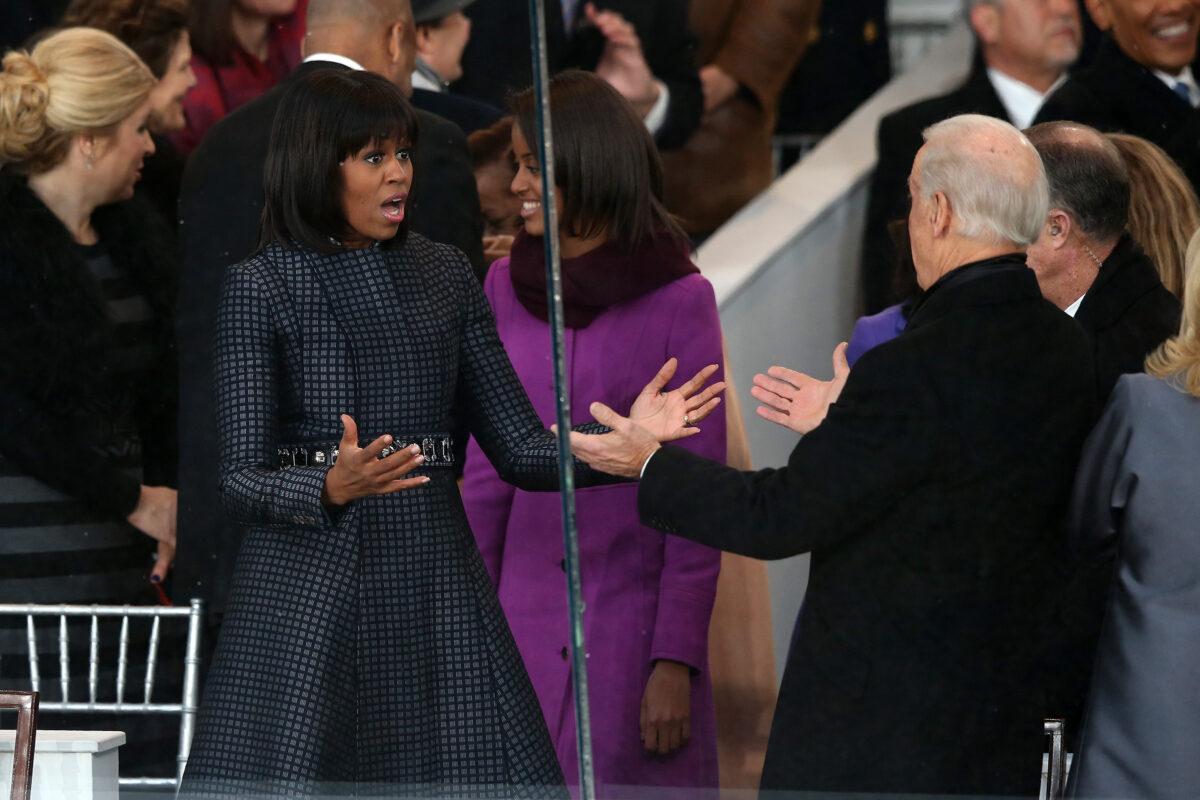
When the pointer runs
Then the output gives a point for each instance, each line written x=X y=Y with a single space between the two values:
x=186 y=707
x=1055 y=761
x=26 y=706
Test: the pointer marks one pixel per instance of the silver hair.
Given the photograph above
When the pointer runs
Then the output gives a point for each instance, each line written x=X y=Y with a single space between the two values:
x=995 y=199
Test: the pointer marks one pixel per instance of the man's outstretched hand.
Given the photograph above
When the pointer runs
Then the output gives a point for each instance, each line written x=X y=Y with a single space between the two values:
x=656 y=416
x=798 y=401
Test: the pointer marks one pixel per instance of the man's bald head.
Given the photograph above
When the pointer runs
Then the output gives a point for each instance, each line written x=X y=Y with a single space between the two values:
x=379 y=34
x=365 y=13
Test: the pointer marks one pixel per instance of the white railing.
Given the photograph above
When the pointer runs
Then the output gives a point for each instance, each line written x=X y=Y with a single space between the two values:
x=785 y=270
x=916 y=26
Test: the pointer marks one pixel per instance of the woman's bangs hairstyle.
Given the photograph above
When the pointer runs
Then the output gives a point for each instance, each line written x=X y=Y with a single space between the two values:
x=605 y=162
x=326 y=117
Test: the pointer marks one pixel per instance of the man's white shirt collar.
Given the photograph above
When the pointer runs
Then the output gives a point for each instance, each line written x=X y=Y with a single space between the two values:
x=1020 y=100
x=419 y=81
x=336 y=59
x=1185 y=77
x=1074 y=307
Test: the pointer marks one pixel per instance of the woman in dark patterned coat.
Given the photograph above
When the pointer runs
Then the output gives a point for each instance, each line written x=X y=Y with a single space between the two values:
x=364 y=650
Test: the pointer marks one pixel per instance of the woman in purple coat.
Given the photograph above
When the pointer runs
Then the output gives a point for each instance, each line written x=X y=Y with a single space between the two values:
x=632 y=298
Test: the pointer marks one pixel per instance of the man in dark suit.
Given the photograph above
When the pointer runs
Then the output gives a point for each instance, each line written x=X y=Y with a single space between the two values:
x=1024 y=50
x=1140 y=80
x=1089 y=266
x=442 y=33
x=644 y=48
x=1085 y=261
x=929 y=488
x=220 y=207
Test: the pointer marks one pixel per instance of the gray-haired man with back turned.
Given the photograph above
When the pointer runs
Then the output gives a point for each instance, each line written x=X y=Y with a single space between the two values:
x=929 y=488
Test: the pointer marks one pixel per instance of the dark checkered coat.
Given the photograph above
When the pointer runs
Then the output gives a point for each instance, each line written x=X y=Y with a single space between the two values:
x=365 y=653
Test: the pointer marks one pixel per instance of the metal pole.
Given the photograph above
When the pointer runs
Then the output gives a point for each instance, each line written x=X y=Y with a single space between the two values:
x=545 y=146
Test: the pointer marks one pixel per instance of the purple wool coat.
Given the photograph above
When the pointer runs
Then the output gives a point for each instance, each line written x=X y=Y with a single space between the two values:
x=648 y=596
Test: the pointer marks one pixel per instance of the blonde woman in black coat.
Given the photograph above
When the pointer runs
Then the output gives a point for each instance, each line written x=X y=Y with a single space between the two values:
x=87 y=404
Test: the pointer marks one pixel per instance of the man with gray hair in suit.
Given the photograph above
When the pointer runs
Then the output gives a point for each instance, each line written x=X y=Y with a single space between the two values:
x=929 y=488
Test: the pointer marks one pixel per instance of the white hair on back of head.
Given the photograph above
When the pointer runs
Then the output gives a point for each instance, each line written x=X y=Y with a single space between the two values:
x=998 y=198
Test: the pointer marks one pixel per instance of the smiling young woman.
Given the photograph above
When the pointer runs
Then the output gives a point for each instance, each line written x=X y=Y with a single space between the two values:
x=631 y=298
x=349 y=354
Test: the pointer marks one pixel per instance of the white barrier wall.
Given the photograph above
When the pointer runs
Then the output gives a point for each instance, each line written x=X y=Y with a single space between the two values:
x=785 y=270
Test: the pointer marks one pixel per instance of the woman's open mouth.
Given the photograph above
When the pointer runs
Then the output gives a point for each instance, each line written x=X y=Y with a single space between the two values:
x=393 y=208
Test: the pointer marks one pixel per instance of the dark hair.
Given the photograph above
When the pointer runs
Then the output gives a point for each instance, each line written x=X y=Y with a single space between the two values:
x=211 y=29
x=324 y=117
x=491 y=143
x=151 y=28
x=1087 y=176
x=605 y=161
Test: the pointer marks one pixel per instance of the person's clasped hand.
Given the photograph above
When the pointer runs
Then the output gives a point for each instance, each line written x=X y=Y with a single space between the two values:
x=655 y=417
x=360 y=472
x=798 y=401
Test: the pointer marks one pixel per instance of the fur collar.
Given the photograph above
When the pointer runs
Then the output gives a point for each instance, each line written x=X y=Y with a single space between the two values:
x=55 y=338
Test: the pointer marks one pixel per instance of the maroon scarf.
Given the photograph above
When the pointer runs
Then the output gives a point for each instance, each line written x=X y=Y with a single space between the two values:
x=598 y=279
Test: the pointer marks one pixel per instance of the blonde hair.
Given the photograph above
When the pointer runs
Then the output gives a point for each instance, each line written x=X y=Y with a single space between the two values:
x=76 y=81
x=1178 y=359
x=1163 y=210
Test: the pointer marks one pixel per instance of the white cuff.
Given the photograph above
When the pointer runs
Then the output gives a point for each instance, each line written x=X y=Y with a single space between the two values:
x=658 y=112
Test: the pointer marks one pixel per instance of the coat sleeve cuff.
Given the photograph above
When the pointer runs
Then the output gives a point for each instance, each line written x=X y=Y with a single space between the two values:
x=298 y=498
x=681 y=627
x=117 y=494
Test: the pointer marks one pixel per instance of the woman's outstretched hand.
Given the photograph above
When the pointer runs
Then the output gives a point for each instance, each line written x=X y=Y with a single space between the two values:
x=656 y=416
x=672 y=415
x=360 y=471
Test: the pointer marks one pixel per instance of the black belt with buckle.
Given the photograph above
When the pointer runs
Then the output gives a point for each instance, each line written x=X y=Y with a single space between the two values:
x=438 y=449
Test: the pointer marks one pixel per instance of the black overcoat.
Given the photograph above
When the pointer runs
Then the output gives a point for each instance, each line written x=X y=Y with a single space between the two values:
x=931 y=500
x=365 y=649
x=1126 y=313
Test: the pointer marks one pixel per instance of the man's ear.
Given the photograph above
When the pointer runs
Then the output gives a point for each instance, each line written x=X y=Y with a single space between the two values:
x=395 y=42
x=424 y=40
x=940 y=214
x=1059 y=226
x=985 y=21
x=1100 y=12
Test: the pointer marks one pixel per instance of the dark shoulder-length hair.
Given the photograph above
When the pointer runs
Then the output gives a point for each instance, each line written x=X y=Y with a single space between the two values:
x=325 y=117
x=605 y=162
x=211 y=29
x=151 y=28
